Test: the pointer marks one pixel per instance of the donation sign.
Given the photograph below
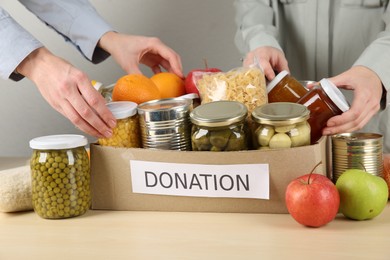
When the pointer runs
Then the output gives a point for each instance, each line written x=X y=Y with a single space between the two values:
x=200 y=180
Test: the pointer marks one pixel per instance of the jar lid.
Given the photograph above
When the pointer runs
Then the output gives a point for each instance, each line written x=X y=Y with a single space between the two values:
x=276 y=80
x=96 y=84
x=334 y=94
x=280 y=113
x=219 y=113
x=58 y=142
x=122 y=109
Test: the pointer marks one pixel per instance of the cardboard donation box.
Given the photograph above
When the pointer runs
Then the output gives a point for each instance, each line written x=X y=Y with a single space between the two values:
x=251 y=181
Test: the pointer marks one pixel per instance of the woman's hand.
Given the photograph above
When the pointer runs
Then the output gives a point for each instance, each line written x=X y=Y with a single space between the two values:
x=367 y=89
x=69 y=91
x=129 y=51
x=270 y=59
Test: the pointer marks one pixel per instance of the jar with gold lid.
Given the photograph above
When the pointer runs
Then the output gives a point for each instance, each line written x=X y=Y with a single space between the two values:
x=60 y=176
x=285 y=88
x=219 y=126
x=281 y=125
x=126 y=133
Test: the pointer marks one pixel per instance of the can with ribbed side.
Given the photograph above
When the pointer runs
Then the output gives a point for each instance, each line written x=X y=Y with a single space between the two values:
x=165 y=124
x=357 y=151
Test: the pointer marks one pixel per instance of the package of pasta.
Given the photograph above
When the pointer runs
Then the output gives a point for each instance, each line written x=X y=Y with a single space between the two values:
x=246 y=85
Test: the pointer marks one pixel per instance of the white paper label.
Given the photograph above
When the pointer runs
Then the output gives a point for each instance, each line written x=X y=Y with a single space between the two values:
x=200 y=180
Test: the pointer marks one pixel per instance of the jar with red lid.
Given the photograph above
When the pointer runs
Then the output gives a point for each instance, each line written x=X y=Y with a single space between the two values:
x=324 y=101
x=285 y=88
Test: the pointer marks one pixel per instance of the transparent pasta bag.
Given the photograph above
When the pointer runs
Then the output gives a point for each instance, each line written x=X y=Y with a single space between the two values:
x=246 y=85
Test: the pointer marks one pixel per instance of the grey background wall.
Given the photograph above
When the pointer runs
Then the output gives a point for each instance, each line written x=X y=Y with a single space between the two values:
x=195 y=29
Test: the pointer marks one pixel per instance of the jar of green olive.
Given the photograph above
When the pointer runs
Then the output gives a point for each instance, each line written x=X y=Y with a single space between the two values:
x=60 y=176
x=281 y=125
x=219 y=126
x=126 y=133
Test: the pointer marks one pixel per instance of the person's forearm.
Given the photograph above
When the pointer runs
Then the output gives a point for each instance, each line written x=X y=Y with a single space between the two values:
x=76 y=20
x=35 y=62
x=15 y=44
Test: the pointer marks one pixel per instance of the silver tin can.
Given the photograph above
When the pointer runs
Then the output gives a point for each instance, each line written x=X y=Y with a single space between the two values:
x=165 y=124
x=359 y=151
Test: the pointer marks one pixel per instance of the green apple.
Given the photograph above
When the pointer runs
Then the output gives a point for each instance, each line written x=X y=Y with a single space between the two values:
x=362 y=195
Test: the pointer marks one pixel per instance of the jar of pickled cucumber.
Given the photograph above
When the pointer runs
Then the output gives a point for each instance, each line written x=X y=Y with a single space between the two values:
x=126 y=133
x=281 y=125
x=219 y=126
x=60 y=176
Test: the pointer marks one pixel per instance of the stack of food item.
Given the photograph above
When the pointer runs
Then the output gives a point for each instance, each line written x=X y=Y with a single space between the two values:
x=212 y=110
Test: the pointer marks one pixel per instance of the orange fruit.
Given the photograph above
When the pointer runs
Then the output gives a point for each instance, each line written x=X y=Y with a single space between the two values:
x=136 y=88
x=169 y=84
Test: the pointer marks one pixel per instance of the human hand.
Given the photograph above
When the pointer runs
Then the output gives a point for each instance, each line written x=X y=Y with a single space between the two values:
x=367 y=88
x=69 y=91
x=271 y=59
x=129 y=51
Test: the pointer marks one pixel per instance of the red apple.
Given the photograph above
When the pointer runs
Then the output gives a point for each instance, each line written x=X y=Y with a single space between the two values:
x=190 y=83
x=312 y=200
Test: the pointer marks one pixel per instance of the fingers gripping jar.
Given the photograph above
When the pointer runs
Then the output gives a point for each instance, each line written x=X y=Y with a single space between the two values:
x=126 y=132
x=281 y=125
x=60 y=176
x=219 y=126
x=324 y=101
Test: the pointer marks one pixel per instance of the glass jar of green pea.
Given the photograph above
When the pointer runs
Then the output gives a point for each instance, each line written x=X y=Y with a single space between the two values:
x=60 y=175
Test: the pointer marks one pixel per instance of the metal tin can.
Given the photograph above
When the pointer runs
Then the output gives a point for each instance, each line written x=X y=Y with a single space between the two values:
x=357 y=150
x=126 y=132
x=60 y=176
x=165 y=124
x=281 y=125
x=219 y=126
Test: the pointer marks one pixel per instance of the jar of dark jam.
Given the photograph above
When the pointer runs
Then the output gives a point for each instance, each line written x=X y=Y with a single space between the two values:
x=285 y=88
x=324 y=101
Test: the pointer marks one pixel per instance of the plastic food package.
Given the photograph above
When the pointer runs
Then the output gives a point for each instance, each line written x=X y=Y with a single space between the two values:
x=245 y=85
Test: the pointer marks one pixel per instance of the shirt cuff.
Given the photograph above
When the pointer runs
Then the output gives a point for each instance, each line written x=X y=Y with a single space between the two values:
x=376 y=57
x=15 y=45
x=86 y=32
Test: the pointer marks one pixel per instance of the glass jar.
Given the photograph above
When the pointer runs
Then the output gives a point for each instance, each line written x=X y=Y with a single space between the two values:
x=219 y=126
x=324 y=101
x=105 y=91
x=285 y=88
x=126 y=133
x=281 y=125
x=60 y=176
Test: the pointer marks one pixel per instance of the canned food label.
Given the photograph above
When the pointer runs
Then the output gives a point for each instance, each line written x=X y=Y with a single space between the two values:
x=200 y=180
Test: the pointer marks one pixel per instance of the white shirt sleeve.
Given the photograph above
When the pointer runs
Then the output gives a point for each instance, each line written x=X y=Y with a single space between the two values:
x=256 y=27
x=76 y=20
x=15 y=44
